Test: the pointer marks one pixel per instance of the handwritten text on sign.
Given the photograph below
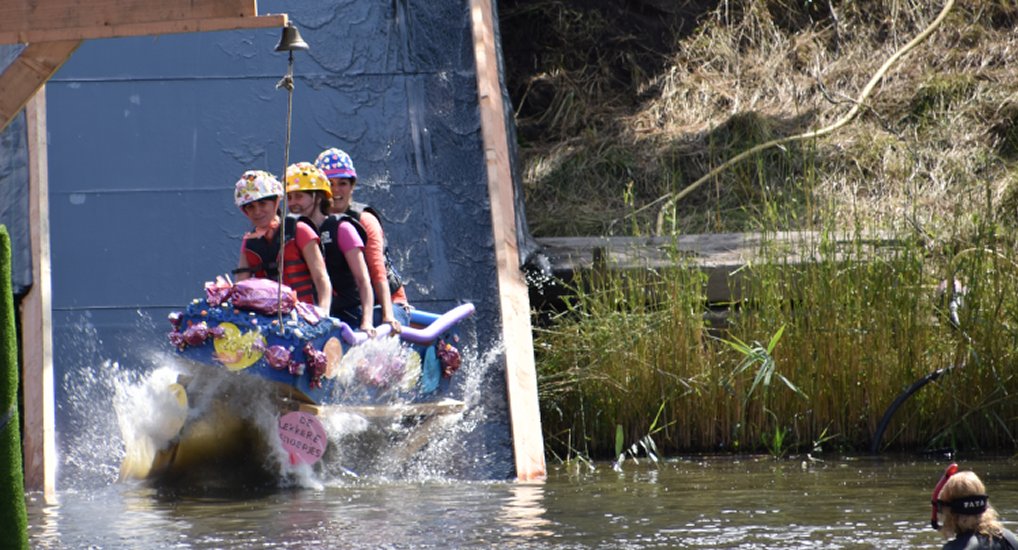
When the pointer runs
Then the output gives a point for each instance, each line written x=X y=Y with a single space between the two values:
x=303 y=435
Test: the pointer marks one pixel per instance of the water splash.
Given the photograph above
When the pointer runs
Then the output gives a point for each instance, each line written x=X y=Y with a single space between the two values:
x=114 y=406
x=388 y=449
x=438 y=460
x=91 y=443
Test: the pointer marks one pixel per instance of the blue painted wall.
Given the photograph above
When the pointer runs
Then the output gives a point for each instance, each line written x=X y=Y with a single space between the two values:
x=14 y=189
x=148 y=135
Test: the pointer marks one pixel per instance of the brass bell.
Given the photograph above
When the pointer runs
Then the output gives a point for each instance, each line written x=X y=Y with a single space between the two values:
x=291 y=40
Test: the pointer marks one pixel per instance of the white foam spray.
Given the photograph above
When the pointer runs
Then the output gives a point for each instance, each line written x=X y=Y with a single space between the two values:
x=147 y=406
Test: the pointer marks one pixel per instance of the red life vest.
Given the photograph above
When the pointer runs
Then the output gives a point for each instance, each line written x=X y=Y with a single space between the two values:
x=262 y=257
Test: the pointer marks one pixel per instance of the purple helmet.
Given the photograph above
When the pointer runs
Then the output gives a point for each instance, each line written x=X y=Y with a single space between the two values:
x=335 y=163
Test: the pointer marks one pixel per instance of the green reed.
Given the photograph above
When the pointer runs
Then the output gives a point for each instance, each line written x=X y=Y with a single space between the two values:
x=858 y=319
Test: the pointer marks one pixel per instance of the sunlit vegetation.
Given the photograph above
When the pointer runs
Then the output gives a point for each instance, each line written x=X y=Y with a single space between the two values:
x=620 y=103
x=815 y=352
x=812 y=353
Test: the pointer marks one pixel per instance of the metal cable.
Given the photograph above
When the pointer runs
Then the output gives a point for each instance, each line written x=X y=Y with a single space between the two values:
x=286 y=82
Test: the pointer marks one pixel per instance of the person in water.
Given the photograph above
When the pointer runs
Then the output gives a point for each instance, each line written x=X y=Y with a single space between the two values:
x=967 y=514
x=309 y=195
x=257 y=195
x=389 y=293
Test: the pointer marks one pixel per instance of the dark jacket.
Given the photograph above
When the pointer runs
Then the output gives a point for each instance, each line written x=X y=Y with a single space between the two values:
x=975 y=541
x=355 y=211
x=344 y=285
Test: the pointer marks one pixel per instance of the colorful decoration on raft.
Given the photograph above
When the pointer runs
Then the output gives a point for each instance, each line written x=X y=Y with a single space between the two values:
x=378 y=365
x=448 y=357
x=235 y=326
x=194 y=335
x=230 y=314
x=303 y=437
x=279 y=358
x=237 y=349
x=316 y=362
x=260 y=296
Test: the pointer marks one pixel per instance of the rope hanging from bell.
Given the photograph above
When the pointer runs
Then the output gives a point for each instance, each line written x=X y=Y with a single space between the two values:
x=290 y=41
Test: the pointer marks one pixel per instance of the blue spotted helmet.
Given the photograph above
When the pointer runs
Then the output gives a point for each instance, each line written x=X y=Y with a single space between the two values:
x=335 y=163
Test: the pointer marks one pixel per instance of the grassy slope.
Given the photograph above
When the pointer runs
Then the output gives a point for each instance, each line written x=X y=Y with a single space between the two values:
x=624 y=102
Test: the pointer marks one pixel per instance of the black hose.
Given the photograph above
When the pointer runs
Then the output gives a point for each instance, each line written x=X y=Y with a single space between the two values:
x=955 y=301
x=889 y=413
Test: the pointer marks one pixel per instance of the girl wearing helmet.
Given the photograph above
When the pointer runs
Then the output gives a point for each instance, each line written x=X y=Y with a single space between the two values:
x=968 y=515
x=388 y=289
x=257 y=195
x=309 y=195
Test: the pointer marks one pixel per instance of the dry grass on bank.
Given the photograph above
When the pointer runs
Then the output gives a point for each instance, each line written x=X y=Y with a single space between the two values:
x=939 y=130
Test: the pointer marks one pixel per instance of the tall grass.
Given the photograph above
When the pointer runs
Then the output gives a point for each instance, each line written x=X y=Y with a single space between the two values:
x=849 y=321
x=624 y=344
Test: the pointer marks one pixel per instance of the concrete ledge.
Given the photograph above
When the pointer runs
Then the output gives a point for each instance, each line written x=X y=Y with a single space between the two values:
x=720 y=255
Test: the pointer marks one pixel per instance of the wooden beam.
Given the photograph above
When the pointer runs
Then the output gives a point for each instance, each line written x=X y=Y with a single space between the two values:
x=28 y=73
x=145 y=28
x=721 y=256
x=28 y=21
x=420 y=435
x=39 y=436
x=57 y=14
x=436 y=408
x=514 y=300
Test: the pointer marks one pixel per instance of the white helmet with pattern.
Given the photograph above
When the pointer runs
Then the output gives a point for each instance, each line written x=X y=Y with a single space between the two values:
x=255 y=185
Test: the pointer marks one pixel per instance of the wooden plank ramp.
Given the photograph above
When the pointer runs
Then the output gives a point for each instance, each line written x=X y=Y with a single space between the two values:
x=513 y=293
x=431 y=420
x=441 y=407
x=720 y=255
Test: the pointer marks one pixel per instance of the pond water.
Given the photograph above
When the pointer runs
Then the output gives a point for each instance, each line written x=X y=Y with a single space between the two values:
x=388 y=502
x=702 y=502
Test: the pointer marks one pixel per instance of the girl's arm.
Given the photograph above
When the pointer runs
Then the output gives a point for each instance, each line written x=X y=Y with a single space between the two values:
x=374 y=256
x=385 y=300
x=359 y=268
x=243 y=270
x=316 y=265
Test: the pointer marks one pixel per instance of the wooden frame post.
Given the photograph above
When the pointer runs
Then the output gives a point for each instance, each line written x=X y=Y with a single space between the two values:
x=514 y=298
x=39 y=436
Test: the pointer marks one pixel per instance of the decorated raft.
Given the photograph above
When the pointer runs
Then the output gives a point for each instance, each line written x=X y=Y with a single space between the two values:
x=247 y=328
x=310 y=364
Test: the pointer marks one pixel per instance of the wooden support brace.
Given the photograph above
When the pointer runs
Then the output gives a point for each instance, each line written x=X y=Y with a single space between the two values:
x=28 y=73
x=434 y=417
x=430 y=428
x=28 y=21
x=514 y=298
x=443 y=407
x=53 y=29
